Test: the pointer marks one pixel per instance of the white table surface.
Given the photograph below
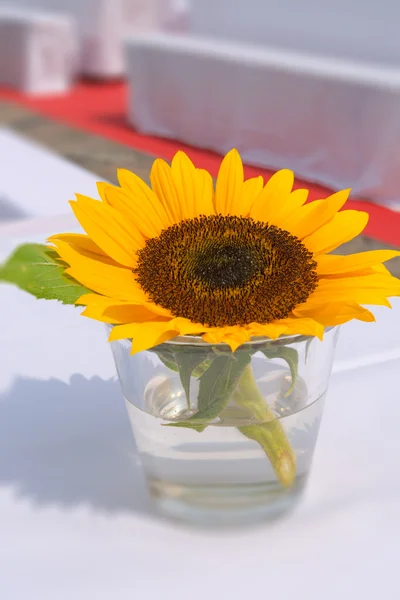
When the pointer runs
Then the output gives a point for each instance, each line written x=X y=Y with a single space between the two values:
x=75 y=520
x=35 y=182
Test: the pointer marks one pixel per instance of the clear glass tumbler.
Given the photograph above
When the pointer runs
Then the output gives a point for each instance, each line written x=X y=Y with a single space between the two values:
x=226 y=438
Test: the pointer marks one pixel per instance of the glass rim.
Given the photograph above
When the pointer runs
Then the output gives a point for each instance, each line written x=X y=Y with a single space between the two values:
x=197 y=340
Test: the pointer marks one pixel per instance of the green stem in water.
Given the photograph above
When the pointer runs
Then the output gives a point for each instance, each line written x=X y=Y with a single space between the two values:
x=269 y=433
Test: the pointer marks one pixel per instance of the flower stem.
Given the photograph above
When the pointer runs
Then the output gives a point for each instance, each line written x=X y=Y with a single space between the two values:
x=269 y=433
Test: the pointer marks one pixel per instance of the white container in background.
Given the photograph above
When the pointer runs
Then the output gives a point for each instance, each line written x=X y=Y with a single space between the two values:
x=103 y=24
x=38 y=51
x=332 y=120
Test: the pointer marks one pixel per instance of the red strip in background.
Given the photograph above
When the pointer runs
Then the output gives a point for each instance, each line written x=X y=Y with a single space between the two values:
x=100 y=108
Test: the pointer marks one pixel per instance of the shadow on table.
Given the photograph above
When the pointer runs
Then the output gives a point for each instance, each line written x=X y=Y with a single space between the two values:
x=70 y=444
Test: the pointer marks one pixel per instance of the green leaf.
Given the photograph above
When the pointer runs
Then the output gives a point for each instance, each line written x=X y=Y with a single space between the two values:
x=202 y=368
x=291 y=356
x=38 y=270
x=188 y=425
x=217 y=385
x=167 y=358
x=187 y=362
x=308 y=344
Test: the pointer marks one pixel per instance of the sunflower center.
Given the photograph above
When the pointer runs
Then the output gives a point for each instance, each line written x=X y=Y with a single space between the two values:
x=222 y=271
x=222 y=265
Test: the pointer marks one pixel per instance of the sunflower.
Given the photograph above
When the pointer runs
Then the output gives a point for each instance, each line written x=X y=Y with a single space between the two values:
x=242 y=260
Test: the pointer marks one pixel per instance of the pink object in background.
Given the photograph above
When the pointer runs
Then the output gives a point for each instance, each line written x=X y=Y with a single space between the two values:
x=174 y=15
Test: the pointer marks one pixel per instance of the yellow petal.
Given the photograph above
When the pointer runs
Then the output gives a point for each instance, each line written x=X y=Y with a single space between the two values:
x=367 y=289
x=120 y=313
x=236 y=339
x=148 y=335
x=185 y=327
x=101 y=188
x=289 y=326
x=295 y=200
x=342 y=228
x=144 y=335
x=111 y=281
x=83 y=243
x=351 y=274
x=206 y=184
x=214 y=336
x=135 y=212
x=330 y=264
x=103 y=308
x=108 y=229
x=251 y=189
x=378 y=281
x=309 y=218
x=193 y=187
x=96 y=300
x=66 y=249
x=331 y=313
x=381 y=269
x=232 y=336
x=144 y=198
x=163 y=184
x=269 y=330
x=228 y=193
x=273 y=197
x=366 y=297
x=303 y=326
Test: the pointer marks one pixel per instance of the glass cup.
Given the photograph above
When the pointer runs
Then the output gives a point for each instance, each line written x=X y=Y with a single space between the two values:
x=226 y=438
